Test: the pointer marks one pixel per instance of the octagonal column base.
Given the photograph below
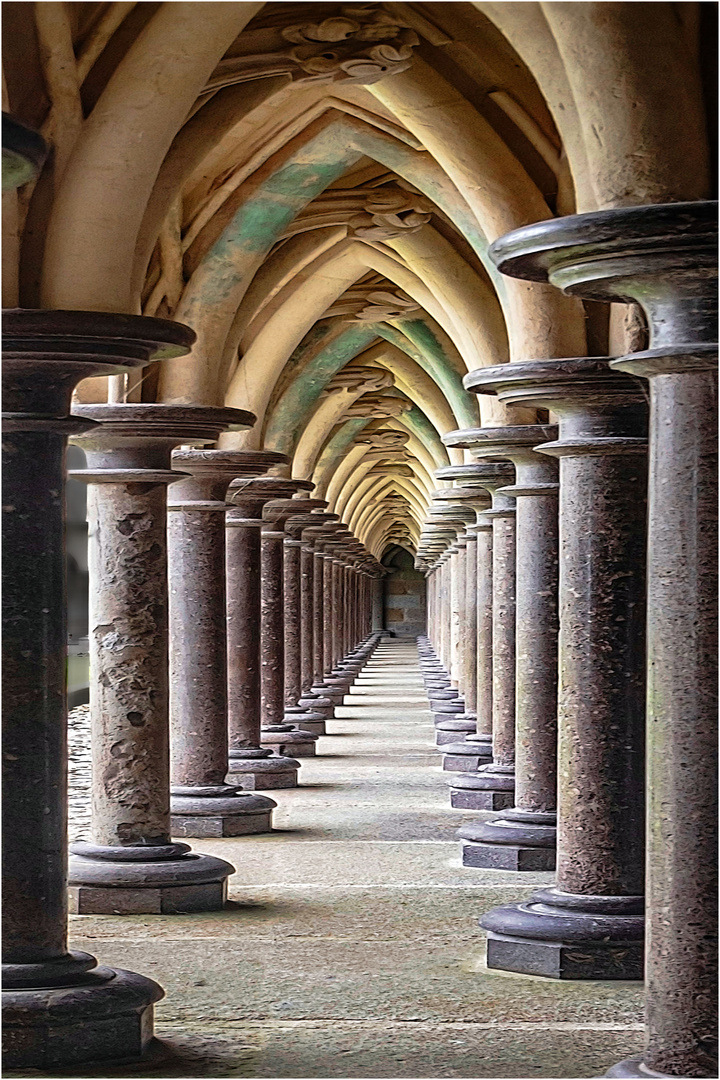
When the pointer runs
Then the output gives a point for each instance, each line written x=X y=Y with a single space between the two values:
x=564 y=936
x=219 y=812
x=318 y=704
x=446 y=710
x=468 y=792
x=167 y=880
x=261 y=770
x=465 y=757
x=516 y=840
x=106 y=1018
x=450 y=731
x=335 y=694
x=286 y=740
x=306 y=720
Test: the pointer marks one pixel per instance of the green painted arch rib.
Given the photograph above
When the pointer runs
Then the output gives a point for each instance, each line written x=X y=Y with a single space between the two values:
x=416 y=339
x=334 y=451
x=284 y=426
x=416 y=420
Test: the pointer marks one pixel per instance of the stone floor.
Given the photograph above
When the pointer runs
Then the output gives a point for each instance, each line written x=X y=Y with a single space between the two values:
x=351 y=947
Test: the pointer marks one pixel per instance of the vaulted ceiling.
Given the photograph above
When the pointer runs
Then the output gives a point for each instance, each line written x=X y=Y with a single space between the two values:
x=314 y=187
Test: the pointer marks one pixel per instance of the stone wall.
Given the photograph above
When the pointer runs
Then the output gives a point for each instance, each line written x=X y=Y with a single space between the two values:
x=405 y=612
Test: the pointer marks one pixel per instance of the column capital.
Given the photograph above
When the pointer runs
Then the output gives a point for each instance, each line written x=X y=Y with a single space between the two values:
x=602 y=411
x=209 y=473
x=47 y=353
x=661 y=256
x=247 y=497
x=132 y=442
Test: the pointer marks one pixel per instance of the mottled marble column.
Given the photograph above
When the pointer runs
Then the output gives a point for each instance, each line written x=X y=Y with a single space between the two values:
x=299 y=572
x=130 y=865
x=275 y=733
x=332 y=534
x=465 y=725
x=600 y=847
x=251 y=765
x=523 y=837
x=492 y=785
x=201 y=803
x=313 y=698
x=59 y=1007
x=665 y=259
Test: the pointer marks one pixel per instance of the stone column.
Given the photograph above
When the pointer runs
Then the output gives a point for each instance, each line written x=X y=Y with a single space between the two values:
x=252 y=766
x=201 y=803
x=327 y=686
x=287 y=738
x=59 y=1007
x=377 y=624
x=523 y=837
x=299 y=617
x=130 y=865
x=603 y=481
x=665 y=258
x=478 y=620
x=313 y=698
x=492 y=785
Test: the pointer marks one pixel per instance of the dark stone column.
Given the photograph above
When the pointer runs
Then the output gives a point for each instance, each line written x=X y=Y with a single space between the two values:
x=665 y=258
x=491 y=787
x=130 y=865
x=299 y=573
x=478 y=623
x=307 y=640
x=590 y=926
x=201 y=803
x=313 y=698
x=252 y=766
x=523 y=838
x=275 y=733
x=332 y=533
x=59 y=1007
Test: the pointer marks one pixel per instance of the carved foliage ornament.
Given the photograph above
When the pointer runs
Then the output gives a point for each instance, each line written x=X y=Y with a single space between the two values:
x=361 y=45
x=390 y=212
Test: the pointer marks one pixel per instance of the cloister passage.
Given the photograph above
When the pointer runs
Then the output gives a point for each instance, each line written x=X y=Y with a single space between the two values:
x=372 y=349
x=351 y=945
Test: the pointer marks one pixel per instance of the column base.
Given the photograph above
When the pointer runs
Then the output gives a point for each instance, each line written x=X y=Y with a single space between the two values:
x=334 y=693
x=634 y=1067
x=564 y=936
x=468 y=792
x=287 y=741
x=108 y=1017
x=517 y=840
x=464 y=757
x=323 y=705
x=219 y=812
x=446 y=710
x=303 y=720
x=256 y=771
x=450 y=731
x=168 y=880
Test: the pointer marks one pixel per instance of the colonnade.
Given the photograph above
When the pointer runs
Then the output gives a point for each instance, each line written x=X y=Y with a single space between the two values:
x=588 y=658
x=211 y=642
x=570 y=658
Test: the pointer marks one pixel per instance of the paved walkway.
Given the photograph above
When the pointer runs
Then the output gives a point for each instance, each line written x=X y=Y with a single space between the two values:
x=351 y=946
